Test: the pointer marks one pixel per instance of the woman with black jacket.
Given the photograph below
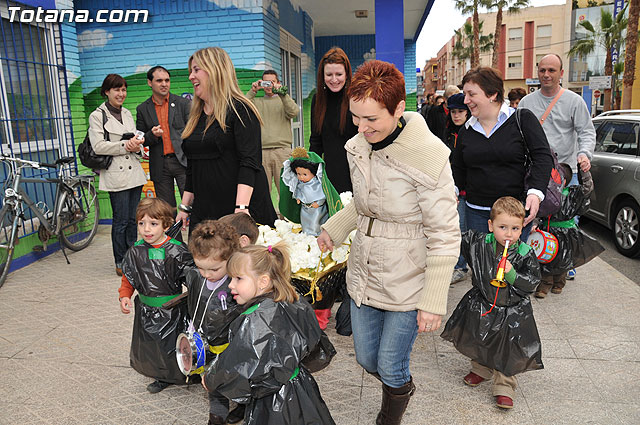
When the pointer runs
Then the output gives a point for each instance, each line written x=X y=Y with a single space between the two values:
x=489 y=158
x=331 y=122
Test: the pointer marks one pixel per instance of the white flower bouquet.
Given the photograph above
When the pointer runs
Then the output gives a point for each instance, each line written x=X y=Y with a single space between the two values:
x=311 y=270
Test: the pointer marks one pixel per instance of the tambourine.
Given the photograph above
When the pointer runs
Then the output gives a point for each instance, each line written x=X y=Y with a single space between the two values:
x=191 y=353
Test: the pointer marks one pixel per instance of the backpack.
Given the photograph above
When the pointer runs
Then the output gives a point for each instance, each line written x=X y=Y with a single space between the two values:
x=88 y=157
x=552 y=201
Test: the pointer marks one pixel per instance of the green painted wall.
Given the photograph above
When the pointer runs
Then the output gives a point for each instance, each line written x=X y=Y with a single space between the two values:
x=137 y=92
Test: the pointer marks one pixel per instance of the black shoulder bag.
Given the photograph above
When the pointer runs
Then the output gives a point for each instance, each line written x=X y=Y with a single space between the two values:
x=88 y=157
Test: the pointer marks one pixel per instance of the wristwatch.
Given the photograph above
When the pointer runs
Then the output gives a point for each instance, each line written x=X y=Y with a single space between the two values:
x=242 y=207
x=185 y=208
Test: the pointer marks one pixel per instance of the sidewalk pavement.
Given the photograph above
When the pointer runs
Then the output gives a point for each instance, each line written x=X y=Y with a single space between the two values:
x=64 y=357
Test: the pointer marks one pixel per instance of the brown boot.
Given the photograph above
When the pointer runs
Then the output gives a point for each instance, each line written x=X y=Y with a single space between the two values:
x=394 y=403
x=543 y=289
x=559 y=281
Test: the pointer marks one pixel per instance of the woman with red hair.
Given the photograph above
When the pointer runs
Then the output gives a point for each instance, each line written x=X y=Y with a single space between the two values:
x=331 y=124
x=408 y=236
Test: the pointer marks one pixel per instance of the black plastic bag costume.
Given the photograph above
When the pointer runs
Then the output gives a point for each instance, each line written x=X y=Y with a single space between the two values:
x=157 y=274
x=216 y=304
x=507 y=338
x=575 y=247
x=272 y=347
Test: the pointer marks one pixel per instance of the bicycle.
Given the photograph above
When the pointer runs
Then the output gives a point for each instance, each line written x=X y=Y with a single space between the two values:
x=74 y=219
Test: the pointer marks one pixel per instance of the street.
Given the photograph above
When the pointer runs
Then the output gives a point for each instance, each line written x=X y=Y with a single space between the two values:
x=630 y=267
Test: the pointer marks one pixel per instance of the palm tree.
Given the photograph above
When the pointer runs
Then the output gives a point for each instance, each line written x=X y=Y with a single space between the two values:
x=463 y=47
x=608 y=36
x=512 y=6
x=630 y=53
x=471 y=6
x=618 y=68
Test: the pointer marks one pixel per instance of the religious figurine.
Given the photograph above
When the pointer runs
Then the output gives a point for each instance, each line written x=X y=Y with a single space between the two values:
x=315 y=197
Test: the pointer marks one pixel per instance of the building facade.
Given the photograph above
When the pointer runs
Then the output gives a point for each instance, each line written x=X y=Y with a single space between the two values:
x=52 y=71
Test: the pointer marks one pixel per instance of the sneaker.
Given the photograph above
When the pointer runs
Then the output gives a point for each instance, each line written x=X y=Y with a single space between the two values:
x=504 y=402
x=472 y=379
x=458 y=276
x=556 y=290
x=157 y=386
x=571 y=274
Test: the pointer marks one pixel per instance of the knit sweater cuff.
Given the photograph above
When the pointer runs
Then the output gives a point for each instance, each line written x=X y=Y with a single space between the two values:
x=437 y=280
x=341 y=224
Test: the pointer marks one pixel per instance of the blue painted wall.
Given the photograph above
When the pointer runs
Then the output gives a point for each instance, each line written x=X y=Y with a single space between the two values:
x=173 y=32
x=360 y=48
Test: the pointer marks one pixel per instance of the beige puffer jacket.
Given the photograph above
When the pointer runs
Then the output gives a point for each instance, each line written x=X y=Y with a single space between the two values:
x=125 y=171
x=404 y=207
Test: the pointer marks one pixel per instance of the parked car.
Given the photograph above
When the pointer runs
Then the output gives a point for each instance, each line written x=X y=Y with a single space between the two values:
x=616 y=176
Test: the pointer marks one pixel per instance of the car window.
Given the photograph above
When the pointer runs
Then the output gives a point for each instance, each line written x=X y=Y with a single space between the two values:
x=617 y=137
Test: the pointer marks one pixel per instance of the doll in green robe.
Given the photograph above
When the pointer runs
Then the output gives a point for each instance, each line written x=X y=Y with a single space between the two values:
x=313 y=199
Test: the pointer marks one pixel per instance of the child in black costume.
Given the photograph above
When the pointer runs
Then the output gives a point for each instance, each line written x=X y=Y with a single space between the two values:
x=575 y=247
x=211 y=305
x=267 y=362
x=495 y=326
x=155 y=266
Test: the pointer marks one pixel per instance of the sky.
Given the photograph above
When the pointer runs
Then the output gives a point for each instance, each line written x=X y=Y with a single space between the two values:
x=443 y=19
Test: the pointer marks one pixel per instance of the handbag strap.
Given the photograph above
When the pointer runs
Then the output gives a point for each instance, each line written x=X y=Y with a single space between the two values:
x=104 y=122
x=526 y=147
x=550 y=107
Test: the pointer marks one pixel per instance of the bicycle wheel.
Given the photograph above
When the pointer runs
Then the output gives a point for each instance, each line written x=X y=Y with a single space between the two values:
x=8 y=229
x=79 y=216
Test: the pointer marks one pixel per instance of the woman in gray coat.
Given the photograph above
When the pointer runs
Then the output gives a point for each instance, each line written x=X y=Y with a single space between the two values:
x=111 y=132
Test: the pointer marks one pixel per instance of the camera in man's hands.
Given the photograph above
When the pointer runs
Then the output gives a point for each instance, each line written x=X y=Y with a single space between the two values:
x=266 y=84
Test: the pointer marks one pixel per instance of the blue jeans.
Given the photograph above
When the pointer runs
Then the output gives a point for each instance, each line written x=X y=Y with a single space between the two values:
x=462 y=206
x=124 y=229
x=383 y=341
x=479 y=220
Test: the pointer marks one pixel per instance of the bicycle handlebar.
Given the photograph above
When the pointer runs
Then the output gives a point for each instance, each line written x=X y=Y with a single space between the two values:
x=33 y=164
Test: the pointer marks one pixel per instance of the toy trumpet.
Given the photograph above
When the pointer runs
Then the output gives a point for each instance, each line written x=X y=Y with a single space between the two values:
x=499 y=282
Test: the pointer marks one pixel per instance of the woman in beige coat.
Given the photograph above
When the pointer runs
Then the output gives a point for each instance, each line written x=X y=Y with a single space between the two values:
x=408 y=237
x=124 y=178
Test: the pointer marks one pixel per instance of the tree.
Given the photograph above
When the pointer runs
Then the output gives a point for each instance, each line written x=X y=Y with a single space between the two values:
x=608 y=35
x=471 y=6
x=630 y=53
x=463 y=48
x=512 y=6
x=618 y=68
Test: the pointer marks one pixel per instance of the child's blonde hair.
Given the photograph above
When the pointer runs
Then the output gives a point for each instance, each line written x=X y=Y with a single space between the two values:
x=272 y=261
x=211 y=238
x=508 y=205
x=157 y=209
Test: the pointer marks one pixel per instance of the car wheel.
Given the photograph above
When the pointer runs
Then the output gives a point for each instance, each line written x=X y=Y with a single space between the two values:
x=626 y=228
